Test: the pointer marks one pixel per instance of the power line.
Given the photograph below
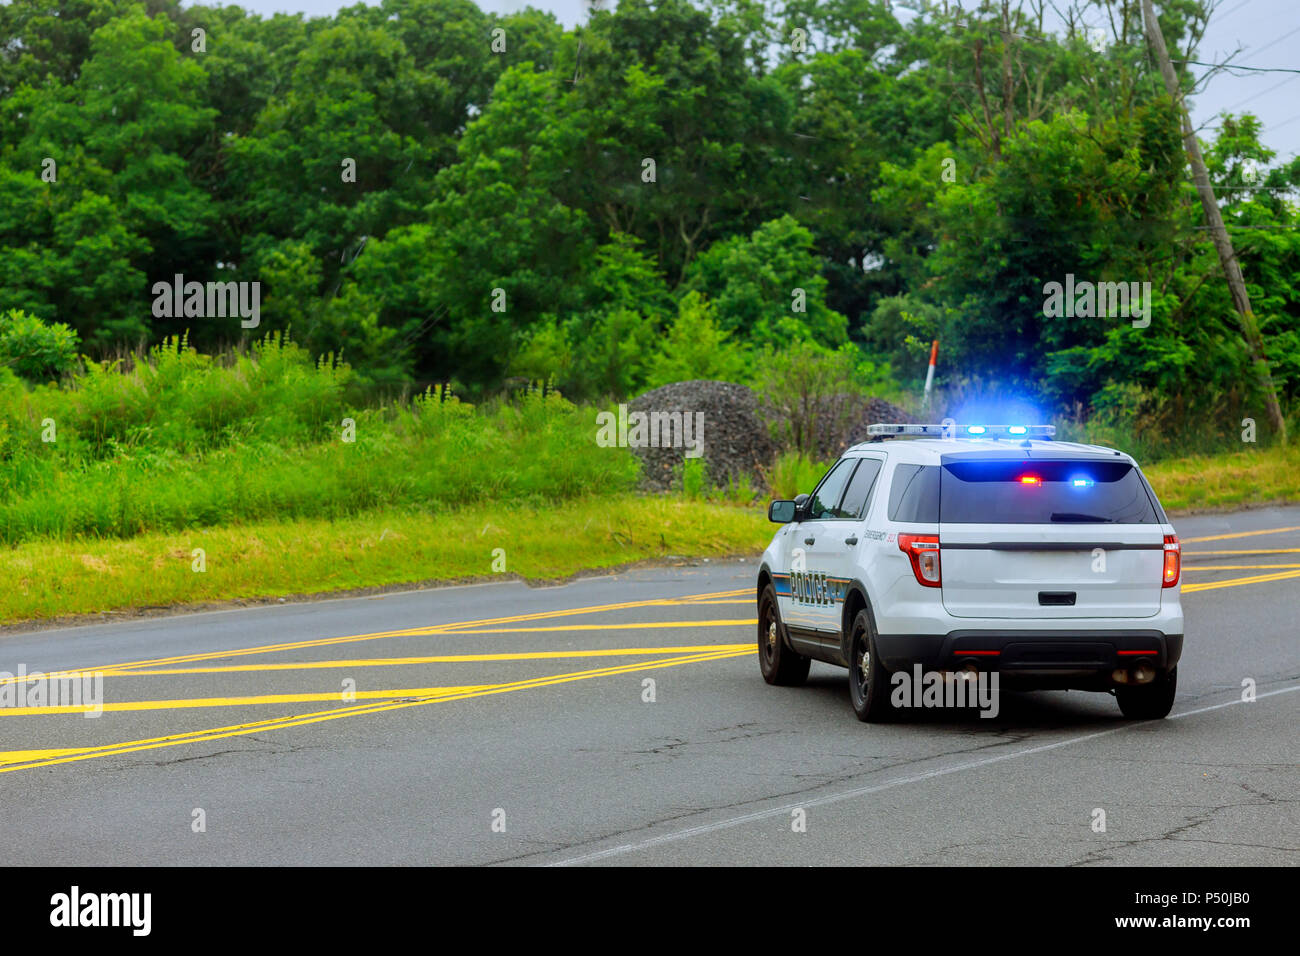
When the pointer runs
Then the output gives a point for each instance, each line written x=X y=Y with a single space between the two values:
x=1258 y=95
x=1234 y=9
x=1289 y=119
x=1233 y=66
x=1274 y=43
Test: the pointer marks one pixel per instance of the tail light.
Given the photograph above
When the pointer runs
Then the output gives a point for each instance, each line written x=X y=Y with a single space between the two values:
x=923 y=551
x=1173 y=560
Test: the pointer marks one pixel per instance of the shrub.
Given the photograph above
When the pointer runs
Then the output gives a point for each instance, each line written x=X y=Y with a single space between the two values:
x=37 y=350
x=693 y=478
x=806 y=392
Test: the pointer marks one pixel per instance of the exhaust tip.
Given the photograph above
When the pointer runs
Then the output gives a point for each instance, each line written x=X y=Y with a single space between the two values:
x=1144 y=672
x=1119 y=675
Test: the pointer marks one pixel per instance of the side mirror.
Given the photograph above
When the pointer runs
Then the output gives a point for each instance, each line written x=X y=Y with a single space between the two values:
x=782 y=511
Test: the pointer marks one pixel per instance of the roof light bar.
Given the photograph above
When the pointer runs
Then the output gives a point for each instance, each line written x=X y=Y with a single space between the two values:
x=983 y=431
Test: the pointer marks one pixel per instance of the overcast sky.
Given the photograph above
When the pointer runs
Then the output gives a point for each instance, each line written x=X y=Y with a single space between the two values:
x=1266 y=31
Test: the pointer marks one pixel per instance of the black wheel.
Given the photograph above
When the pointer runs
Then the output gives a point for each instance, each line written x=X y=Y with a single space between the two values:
x=779 y=664
x=868 y=678
x=1149 y=701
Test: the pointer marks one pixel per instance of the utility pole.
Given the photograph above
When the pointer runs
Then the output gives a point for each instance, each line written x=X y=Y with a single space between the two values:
x=1222 y=242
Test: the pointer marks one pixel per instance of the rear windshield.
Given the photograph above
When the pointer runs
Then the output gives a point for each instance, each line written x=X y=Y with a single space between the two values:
x=1044 y=492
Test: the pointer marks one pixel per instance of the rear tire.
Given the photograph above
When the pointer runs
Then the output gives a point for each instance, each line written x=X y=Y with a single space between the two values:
x=1151 y=701
x=780 y=665
x=868 y=678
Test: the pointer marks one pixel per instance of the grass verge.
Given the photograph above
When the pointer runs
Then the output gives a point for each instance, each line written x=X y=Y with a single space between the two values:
x=1214 y=482
x=53 y=579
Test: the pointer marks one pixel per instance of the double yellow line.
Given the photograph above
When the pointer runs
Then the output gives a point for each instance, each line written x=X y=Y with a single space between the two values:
x=383 y=700
x=456 y=627
x=1237 y=582
x=1238 y=534
x=29 y=759
x=1283 y=573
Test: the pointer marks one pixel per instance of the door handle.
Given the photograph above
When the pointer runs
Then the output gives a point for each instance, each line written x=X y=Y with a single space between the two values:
x=851 y=541
x=809 y=540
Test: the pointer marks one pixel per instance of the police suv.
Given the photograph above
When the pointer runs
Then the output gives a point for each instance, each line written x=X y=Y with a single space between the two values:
x=976 y=548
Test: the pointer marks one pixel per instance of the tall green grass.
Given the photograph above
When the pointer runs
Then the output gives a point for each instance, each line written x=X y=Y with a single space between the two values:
x=177 y=439
x=1149 y=444
x=794 y=474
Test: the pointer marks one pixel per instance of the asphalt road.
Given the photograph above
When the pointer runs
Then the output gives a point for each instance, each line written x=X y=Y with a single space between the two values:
x=502 y=724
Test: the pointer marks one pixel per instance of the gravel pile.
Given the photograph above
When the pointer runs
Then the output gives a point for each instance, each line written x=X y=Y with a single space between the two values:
x=873 y=411
x=735 y=440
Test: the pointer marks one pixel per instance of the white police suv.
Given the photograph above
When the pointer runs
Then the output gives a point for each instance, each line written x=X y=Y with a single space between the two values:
x=974 y=548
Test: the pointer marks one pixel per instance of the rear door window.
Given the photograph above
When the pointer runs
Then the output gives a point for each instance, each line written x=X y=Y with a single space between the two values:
x=1044 y=492
x=914 y=494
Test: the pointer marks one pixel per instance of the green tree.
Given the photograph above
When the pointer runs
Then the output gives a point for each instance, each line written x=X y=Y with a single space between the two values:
x=767 y=287
x=693 y=346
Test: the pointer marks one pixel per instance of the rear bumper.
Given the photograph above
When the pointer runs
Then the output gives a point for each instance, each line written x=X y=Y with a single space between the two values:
x=1039 y=657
